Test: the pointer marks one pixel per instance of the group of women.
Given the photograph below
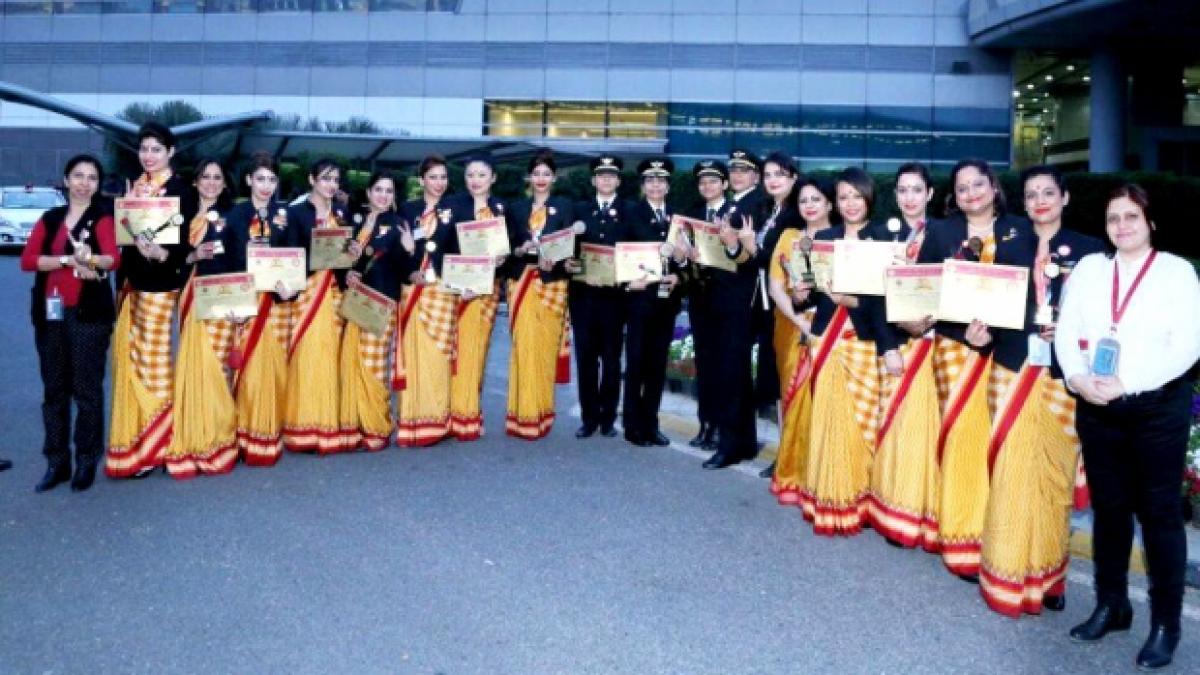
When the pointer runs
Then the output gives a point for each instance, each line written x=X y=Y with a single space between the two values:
x=297 y=375
x=960 y=439
x=964 y=439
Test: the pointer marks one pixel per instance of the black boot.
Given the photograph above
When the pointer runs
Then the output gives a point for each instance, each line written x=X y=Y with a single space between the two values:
x=710 y=438
x=768 y=472
x=704 y=432
x=1107 y=617
x=85 y=475
x=5 y=464
x=1159 y=648
x=55 y=474
x=1055 y=603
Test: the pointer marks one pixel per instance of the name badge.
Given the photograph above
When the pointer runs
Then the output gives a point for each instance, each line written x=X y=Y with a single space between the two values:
x=1040 y=351
x=54 y=308
x=1108 y=357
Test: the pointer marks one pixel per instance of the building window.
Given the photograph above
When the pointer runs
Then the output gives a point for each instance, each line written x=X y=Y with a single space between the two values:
x=515 y=118
x=576 y=119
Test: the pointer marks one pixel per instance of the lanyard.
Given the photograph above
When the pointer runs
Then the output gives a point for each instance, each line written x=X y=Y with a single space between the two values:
x=1118 y=310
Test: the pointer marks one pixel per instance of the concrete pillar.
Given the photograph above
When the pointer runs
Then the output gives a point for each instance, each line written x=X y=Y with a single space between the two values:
x=1108 y=104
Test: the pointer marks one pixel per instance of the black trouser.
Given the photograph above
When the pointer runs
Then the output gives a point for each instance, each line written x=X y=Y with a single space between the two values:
x=72 y=357
x=651 y=324
x=766 y=380
x=737 y=433
x=704 y=320
x=597 y=320
x=1133 y=452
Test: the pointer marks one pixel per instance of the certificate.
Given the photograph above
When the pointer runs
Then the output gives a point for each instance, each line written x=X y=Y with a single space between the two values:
x=483 y=237
x=858 y=266
x=271 y=266
x=993 y=294
x=329 y=249
x=157 y=217
x=821 y=258
x=557 y=246
x=711 y=249
x=366 y=307
x=222 y=296
x=638 y=261
x=913 y=292
x=599 y=265
x=476 y=273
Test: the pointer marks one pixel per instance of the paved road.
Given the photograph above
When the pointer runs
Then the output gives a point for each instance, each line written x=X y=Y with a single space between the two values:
x=499 y=556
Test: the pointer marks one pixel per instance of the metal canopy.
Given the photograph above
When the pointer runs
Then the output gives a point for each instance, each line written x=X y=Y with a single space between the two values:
x=396 y=150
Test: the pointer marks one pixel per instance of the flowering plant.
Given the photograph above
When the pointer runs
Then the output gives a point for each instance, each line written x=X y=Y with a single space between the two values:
x=1191 y=471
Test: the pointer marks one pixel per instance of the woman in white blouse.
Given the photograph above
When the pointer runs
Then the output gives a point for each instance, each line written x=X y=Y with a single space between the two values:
x=1127 y=337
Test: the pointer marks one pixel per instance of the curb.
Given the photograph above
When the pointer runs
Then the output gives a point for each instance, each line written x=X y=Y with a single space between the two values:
x=1081 y=537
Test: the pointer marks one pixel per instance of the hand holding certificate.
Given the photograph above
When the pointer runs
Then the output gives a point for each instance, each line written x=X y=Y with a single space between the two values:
x=599 y=265
x=821 y=260
x=366 y=307
x=913 y=292
x=706 y=237
x=272 y=266
x=557 y=246
x=859 y=266
x=153 y=219
x=483 y=238
x=638 y=261
x=468 y=273
x=329 y=249
x=992 y=294
x=225 y=296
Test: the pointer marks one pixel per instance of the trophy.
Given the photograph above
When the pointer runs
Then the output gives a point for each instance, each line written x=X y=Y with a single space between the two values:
x=806 y=245
x=576 y=265
x=665 y=251
x=975 y=246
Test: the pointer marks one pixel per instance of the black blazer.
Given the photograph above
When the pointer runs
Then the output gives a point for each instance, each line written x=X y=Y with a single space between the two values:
x=559 y=216
x=645 y=225
x=302 y=220
x=1067 y=248
x=169 y=275
x=728 y=290
x=870 y=317
x=238 y=223
x=1016 y=244
x=444 y=236
x=384 y=264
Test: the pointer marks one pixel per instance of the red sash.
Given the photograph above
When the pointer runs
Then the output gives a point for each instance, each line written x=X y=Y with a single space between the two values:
x=185 y=300
x=910 y=374
x=833 y=333
x=311 y=311
x=523 y=286
x=1016 y=402
x=960 y=402
x=256 y=330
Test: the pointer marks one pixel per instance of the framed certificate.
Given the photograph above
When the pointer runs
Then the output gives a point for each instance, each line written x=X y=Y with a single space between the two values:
x=913 y=292
x=476 y=273
x=821 y=258
x=638 y=261
x=158 y=217
x=712 y=251
x=858 y=266
x=483 y=237
x=557 y=246
x=993 y=294
x=224 y=296
x=273 y=265
x=599 y=265
x=367 y=307
x=329 y=249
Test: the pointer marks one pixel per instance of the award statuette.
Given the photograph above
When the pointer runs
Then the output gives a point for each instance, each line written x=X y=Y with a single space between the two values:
x=665 y=251
x=805 y=246
x=430 y=273
x=151 y=219
x=975 y=246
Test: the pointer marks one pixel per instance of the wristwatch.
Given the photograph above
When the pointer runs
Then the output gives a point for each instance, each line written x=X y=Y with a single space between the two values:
x=64 y=260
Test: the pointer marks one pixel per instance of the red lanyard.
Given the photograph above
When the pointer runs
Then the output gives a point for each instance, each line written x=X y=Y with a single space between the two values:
x=1118 y=310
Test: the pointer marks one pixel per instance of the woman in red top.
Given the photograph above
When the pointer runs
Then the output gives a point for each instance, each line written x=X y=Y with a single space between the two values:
x=71 y=250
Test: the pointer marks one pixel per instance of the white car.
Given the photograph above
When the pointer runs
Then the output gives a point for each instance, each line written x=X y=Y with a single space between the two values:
x=20 y=208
